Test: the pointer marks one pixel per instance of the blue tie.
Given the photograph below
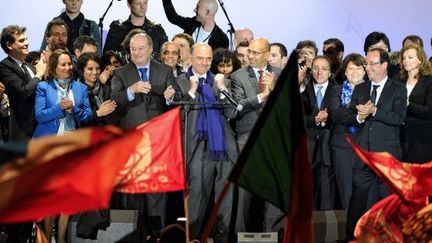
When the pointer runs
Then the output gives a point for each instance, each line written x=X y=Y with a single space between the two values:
x=143 y=72
x=319 y=96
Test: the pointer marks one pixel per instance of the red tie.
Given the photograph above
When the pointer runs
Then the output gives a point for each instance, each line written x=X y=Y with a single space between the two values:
x=260 y=80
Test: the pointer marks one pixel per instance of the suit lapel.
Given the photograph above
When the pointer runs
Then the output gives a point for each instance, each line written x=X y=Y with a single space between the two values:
x=14 y=66
x=312 y=96
x=253 y=80
x=326 y=96
x=418 y=88
x=385 y=92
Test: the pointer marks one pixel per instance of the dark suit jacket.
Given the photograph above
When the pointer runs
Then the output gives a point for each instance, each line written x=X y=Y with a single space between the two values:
x=418 y=124
x=217 y=39
x=381 y=132
x=144 y=106
x=21 y=92
x=245 y=90
x=337 y=112
x=228 y=112
x=318 y=135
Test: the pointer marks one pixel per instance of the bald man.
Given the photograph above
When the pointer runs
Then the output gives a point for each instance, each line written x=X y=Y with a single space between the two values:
x=243 y=34
x=202 y=27
x=251 y=87
x=211 y=153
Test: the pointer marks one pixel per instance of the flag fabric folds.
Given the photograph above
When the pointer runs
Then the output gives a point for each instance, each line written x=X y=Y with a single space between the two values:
x=78 y=171
x=157 y=164
x=411 y=184
x=274 y=162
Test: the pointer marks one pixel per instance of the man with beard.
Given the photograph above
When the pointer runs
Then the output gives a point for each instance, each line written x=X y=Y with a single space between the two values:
x=56 y=36
x=77 y=24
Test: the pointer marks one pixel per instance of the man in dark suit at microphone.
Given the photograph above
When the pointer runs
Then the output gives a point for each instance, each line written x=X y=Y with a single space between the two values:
x=211 y=147
x=251 y=87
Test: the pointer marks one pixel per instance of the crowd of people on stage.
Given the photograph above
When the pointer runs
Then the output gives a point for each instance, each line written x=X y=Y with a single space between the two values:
x=382 y=100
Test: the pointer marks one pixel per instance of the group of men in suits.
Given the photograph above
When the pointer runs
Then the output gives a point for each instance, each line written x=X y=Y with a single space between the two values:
x=377 y=109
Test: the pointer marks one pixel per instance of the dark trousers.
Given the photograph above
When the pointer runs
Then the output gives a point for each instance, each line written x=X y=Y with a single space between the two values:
x=152 y=207
x=203 y=177
x=342 y=158
x=19 y=233
x=323 y=173
x=367 y=190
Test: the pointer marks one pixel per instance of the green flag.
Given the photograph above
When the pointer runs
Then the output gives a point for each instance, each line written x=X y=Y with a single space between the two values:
x=277 y=145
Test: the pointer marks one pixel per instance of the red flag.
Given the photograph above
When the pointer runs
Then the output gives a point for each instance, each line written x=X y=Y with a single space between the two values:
x=78 y=171
x=75 y=174
x=157 y=164
x=411 y=184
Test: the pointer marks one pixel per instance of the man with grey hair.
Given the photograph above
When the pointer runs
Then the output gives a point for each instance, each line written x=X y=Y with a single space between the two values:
x=202 y=27
x=141 y=89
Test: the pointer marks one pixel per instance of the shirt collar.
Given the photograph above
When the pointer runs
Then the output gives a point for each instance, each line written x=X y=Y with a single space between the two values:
x=324 y=85
x=145 y=66
x=381 y=83
x=17 y=61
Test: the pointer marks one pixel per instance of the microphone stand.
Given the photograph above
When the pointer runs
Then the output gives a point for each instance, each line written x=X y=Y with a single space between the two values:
x=101 y=19
x=231 y=30
x=186 y=108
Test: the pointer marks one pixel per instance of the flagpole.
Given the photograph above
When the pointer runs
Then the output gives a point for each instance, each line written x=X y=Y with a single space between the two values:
x=186 y=108
x=215 y=211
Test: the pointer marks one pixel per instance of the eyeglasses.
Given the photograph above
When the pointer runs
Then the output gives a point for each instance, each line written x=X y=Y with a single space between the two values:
x=201 y=59
x=372 y=63
x=255 y=53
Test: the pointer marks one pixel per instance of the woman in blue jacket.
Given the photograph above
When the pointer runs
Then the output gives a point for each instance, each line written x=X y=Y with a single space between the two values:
x=62 y=105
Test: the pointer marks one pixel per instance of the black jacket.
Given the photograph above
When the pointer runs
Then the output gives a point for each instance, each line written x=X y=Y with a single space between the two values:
x=119 y=29
x=217 y=39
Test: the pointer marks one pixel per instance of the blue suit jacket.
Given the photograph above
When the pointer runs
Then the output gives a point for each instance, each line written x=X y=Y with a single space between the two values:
x=48 y=111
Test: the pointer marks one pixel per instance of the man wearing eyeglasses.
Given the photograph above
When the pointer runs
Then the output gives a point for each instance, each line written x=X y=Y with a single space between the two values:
x=316 y=99
x=378 y=108
x=251 y=87
x=211 y=147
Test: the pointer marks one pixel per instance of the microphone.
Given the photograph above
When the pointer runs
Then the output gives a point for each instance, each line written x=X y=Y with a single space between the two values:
x=231 y=100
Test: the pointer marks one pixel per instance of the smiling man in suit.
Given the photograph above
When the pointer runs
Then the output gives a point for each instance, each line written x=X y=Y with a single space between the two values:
x=141 y=90
x=316 y=104
x=20 y=80
x=251 y=86
x=378 y=107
